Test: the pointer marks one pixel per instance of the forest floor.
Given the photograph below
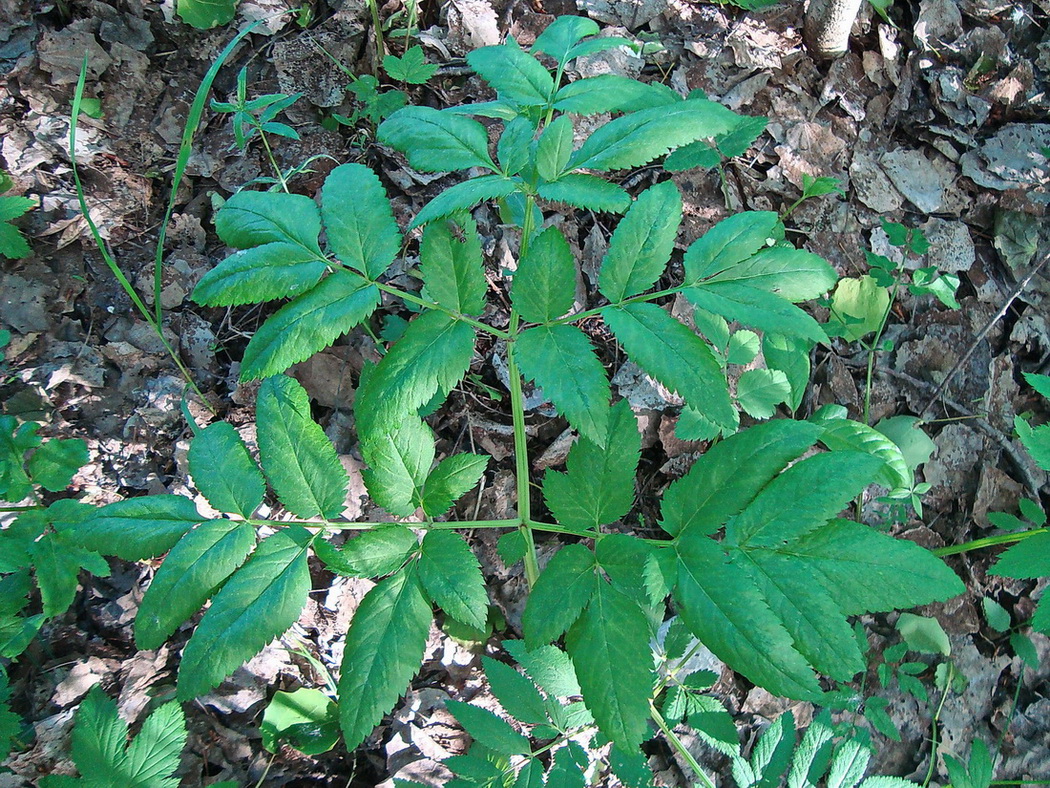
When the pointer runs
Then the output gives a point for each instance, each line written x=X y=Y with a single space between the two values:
x=935 y=121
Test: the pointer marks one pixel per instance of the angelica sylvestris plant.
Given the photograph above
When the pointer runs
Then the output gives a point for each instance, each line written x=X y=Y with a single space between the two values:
x=755 y=560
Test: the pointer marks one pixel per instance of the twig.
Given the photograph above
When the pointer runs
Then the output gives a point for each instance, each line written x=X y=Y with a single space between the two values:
x=984 y=332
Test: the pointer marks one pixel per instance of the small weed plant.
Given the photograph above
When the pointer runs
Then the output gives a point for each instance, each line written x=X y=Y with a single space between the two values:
x=755 y=561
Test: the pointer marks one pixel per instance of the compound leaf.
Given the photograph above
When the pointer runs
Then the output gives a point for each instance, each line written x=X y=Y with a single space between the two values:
x=450 y=480
x=358 y=220
x=52 y=465
x=452 y=268
x=224 y=471
x=545 y=281
x=259 y=602
x=586 y=191
x=641 y=245
x=138 y=527
x=515 y=74
x=609 y=647
x=452 y=578
x=674 y=355
x=153 y=755
x=598 y=487
x=561 y=35
x=383 y=651
x=636 y=139
x=435 y=141
x=298 y=458
x=191 y=572
x=309 y=323
x=559 y=596
x=562 y=362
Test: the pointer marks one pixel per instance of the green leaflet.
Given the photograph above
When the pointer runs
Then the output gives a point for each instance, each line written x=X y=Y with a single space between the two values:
x=224 y=472
x=793 y=274
x=259 y=602
x=383 y=650
x=250 y=219
x=309 y=323
x=515 y=74
x=586 y=191
x=636 y=139
x=561 y=360
x=561 y=35
x=515 y=143
x=817 y=627
x=674 y=355
x=463 y=196
x=1030 y=557
x=720 y=604
x=358 y=220
x=399 y=461
x=598 y=487
x=641 y=245
x=841 y=434
x=434 y=141
x=818 y=487
x=452 y=269
x=631 y=566
x=610 y=93
x=728 y=243
x=305 y=719
x=759 y=391
x=559 y=596
x=206 y=14
x=554 y=148
x=515 y=692
x=191 y=572
x=757 y=308
x=545 y=281
x=452 y=578
x=790 y=356
x=57 y=562
x=432 y=355
x=102 y=754
x=609 y=647
x=53 y=465
x=261 y=273
x=548 y=666
x=10 y=723
x=489 y=730
x=706 y=155
x=138 y=527
x=298 y=458
x=372 y=554
x=452 y=478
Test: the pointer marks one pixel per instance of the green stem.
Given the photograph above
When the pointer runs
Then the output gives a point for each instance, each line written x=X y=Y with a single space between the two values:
x=414 y=299
x=933 y=726
x=988 y=541
x=521 y=453
x=638 y=299
x=273 y=161
x=111 y=263
x=6 y=509
x=678 y=746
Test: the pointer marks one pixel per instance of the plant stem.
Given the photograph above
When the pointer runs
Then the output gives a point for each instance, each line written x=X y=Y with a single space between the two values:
x=273 y=161
x=632 y=300
x=414 y=299
x=521 y=453
x=678 y=746
x=988 y=541
x=21 y=508
x=933 y=725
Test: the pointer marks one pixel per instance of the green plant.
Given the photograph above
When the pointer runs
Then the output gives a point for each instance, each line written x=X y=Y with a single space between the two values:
x=12 y=242
x=767 y=589
x=206 y=14
x=104 y=757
